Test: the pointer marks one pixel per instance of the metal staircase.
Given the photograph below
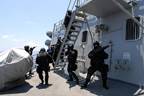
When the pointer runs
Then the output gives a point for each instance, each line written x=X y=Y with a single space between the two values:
x=77 y=20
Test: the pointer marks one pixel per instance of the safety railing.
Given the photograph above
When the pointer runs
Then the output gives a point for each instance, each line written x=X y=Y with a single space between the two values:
x=58 y=26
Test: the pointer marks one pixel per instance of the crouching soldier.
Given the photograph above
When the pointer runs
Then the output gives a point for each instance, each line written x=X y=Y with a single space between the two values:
x=43 y=60
x=97 y=56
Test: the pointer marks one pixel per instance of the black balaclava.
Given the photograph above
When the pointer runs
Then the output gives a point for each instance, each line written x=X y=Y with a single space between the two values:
x=96 y=44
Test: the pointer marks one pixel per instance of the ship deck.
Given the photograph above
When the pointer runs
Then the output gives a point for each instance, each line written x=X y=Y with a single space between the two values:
x=59 y=87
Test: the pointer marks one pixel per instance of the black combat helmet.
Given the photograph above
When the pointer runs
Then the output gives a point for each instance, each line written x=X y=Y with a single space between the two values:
x=42 y=50
x=26 y=48
x=71 y=47
x=69 y=12
x=96 y=43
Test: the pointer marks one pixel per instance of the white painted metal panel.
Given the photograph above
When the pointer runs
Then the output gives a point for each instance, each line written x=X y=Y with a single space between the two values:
x=102 y=8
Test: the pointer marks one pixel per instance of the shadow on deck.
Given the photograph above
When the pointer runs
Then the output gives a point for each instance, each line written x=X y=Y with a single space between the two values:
x=116 y=88
x=19 y=89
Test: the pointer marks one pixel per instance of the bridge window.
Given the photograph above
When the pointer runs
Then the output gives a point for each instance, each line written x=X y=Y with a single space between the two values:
x=84 y=36
x=132 y=29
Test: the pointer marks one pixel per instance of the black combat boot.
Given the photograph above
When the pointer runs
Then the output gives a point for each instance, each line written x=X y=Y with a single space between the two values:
x=105 y=85
x=85 y=84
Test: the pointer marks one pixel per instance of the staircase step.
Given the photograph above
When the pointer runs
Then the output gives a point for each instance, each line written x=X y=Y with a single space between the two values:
x=75 y=33
x=72 y=35
x=80 y=15
x=78 y=20
x=72 y=40
x=74 y=30
x=74 y=25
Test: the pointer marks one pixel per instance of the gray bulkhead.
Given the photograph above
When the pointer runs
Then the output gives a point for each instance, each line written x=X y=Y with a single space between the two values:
x=127 y=55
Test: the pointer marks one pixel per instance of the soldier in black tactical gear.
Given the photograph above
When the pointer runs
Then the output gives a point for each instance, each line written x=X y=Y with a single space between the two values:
x=43 y=60
x=67 y=18
x=26 y=48
x=97 y=56
x=30 y=51
x=50 y=51
x=57 y=48
x=72 y=57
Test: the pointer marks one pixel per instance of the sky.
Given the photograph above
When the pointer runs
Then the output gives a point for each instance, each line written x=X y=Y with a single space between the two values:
x=25 y=22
